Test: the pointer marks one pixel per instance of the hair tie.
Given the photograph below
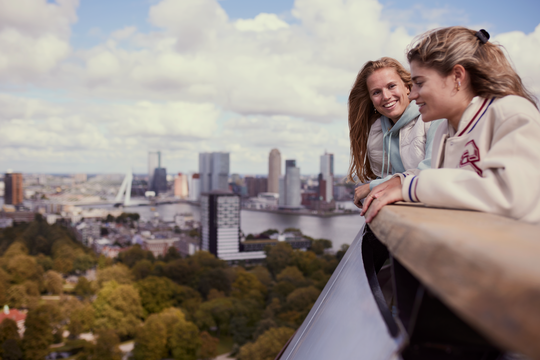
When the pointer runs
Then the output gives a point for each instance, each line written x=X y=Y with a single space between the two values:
x=483 y=35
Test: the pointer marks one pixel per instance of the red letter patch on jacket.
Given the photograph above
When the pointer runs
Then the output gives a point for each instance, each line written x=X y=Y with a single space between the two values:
x=471 y=156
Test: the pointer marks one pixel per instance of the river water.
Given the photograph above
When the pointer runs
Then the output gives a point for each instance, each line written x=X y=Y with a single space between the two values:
x=340 y=229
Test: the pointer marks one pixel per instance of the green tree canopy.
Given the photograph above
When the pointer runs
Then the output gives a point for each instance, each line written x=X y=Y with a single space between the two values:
x=278 y=257
x=118 y=307
x=84 y=262
x=134 y=254
x=215 y=313
x=41 y=324
x=263 y=275
x=172 y=254
x=213 y=278
x=318 y=246
x=80 y=316
x=9 y=331
x=105 y=348
x=142 y=269
x=185 y=341
x=292 y=275
x=207 y=260
x=158 y=294
x=267 y=346
x=209 y=346
x=54 y=283
x=151 y=340
x=45 y=261
x=179 y=271
x=118 y=272
x=24 y=267
x=84 y=287
x=4 y=284
x=247 y=286
x=16 y=248
x=166 y=334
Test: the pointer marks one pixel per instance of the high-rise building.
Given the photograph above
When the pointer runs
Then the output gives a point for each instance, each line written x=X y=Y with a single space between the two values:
x=214 y=171
x=289 y=186
x=220 y=226
x=159 y=180
x=194 y=187
x=290 y=163
x=274 y=171
x=326 y=177
x=256 y=185
x=154 y=162
x=181 y=186
x=13 y=190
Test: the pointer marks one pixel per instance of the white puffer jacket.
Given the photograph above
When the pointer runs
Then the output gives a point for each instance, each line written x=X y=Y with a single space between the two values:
x=412 y=146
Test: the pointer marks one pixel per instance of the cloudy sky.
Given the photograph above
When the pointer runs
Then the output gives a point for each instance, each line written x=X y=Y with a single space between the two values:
x=93 y=85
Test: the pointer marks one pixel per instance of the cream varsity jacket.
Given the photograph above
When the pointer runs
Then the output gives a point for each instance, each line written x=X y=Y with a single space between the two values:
x=491 y=163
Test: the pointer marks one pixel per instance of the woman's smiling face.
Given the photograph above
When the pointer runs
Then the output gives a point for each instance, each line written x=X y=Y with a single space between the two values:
x=432 y=92
x=388 y=93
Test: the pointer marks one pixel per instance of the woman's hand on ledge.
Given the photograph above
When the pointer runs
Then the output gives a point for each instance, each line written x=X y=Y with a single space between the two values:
x=359 y=194
x=386 y=193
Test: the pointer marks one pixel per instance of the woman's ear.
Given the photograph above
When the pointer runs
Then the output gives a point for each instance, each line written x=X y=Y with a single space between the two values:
x=459 y=73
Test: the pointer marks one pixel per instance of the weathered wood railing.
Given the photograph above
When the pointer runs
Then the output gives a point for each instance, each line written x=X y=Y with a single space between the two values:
x=484 y=267
x=476 y=273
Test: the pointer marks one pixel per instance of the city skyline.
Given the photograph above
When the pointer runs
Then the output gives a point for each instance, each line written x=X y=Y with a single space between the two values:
x=93 y=86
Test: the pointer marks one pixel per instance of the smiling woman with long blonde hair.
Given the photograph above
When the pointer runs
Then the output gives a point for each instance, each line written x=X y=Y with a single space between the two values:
x=386 y=133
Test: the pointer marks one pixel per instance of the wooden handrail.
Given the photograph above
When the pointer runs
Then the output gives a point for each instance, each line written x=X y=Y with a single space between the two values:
x=483 y=266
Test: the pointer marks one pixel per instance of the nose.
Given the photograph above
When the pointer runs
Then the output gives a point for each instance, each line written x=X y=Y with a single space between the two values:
x=413 y=95
x=386 y=94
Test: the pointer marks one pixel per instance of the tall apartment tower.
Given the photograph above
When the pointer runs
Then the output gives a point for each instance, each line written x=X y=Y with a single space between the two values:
x=154 y=162
x=326 y=177
x=194 y=187
x=214 y=171
x=181 y=186
x=220 y=227
x=289 y=186
x=13 y=191
x=274 y=171
x=220 y=223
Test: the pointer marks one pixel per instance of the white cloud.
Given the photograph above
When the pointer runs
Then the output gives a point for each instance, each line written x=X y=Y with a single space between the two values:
x=102 y=67
x=524 y=50
x=14 y=107
x=34 y=37
x=174 y=119
x=200 y=81
x=35 y=17
x=193 y=22
x=261 y=22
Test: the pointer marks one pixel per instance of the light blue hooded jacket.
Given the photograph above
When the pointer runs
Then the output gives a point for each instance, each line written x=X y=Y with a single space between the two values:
x=391 y=158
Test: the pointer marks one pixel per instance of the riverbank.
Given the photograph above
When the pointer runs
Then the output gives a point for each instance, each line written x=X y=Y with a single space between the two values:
x=306 y=212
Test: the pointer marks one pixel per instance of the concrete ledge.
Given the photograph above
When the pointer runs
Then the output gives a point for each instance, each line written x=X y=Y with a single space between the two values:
x=483 y=266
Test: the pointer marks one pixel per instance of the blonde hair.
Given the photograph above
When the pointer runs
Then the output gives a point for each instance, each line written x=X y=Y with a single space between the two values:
x=362 y=115
x=490 y=71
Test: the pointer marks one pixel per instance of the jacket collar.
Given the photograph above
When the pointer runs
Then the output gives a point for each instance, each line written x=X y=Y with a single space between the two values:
x=410 y=113
x=471 y=114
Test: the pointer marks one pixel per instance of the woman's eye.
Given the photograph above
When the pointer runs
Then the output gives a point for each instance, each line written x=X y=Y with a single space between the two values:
x=392 y=86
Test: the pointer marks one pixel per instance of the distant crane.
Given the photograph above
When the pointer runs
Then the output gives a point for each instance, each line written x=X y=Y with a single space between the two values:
x=124 y=189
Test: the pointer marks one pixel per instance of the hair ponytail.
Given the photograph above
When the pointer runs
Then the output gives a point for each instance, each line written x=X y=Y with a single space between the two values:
x=490 y=71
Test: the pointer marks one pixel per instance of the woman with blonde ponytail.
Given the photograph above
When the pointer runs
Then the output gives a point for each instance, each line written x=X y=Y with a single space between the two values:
x=486 y=154
x=386 y=131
